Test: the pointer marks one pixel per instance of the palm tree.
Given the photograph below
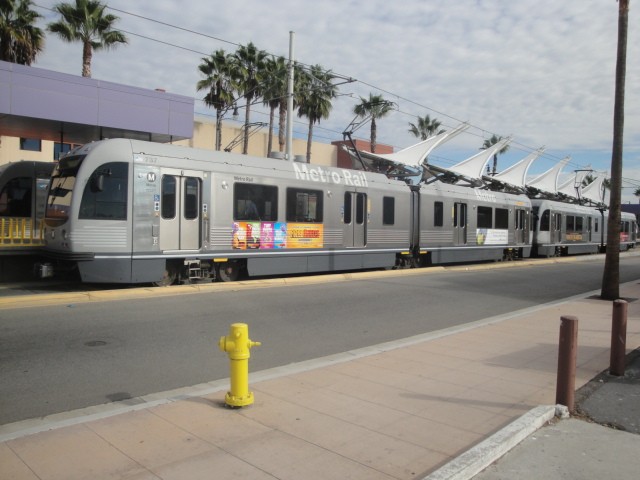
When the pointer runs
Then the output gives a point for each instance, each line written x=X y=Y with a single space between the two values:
x=425 y=127
x=376 y=107
x=20 y=39
x=274 y=92
x=87 y=22
x=314 y=98
x=249 y=64
x=490 y=143
x=611 y=276
x=218 y=71
x=637 y=192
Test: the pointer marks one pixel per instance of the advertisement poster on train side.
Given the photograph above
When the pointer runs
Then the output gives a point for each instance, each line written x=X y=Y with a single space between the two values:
x=490 y=236
x=304 y=235
x=280 y=235
x=269 y=235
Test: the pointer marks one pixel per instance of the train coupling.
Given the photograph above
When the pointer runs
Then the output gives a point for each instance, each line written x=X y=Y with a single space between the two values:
x=44 y=270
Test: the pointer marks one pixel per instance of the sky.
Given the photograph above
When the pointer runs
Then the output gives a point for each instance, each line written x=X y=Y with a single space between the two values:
x=541 y=71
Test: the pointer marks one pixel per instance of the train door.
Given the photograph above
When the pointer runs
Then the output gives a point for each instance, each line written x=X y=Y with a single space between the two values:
x=521 y=226
x=555 y=230
x=354 y=218
x=459 y=223
x=589 y=236
x=180 y=207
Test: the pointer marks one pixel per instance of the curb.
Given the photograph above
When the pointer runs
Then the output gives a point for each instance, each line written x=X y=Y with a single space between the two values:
x=475 y=460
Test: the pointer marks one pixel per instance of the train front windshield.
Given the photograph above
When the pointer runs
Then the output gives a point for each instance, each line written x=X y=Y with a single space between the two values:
x=62 y=182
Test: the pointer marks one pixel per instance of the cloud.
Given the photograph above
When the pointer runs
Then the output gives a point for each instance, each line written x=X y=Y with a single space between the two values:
x=540 y=70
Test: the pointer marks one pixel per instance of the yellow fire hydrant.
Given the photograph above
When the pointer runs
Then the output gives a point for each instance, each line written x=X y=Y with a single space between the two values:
x=237 y=345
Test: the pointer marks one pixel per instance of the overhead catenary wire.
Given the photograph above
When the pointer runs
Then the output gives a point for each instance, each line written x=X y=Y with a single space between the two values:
x=482 y=132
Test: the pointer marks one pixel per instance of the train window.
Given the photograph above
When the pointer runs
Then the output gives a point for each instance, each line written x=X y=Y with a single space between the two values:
x=460 y=215
x=485 y=219
x=438 y=214
x=570 y=223
x=388 y=210
x=579 y=223
x=191 y=198
x=304 y=205
x=15 y=198
x=595 y=225
x=502 y=218
x=360 y=203
x=347 y=208
x=519 y=220
x=255 y=202
x=168 y=192
x=105 y=194
x=545 y=220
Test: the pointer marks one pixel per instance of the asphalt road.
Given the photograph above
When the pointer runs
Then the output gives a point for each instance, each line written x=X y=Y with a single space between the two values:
x=62 y=357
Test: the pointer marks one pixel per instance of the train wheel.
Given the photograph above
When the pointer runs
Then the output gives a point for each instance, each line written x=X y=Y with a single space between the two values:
x=168 y=278
x=229 y=271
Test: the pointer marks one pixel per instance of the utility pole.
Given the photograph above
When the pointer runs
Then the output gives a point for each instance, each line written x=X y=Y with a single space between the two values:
x=289 y=145
x=611 y=276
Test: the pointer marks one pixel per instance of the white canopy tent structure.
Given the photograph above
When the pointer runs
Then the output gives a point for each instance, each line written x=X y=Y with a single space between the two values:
x=595 y=191
x=548 y=181
x=473 y=167
x=516 y=174
x=415 y=155
x=572 y=186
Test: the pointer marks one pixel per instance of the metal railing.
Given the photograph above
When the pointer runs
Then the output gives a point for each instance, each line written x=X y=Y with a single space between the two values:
x=18 y=232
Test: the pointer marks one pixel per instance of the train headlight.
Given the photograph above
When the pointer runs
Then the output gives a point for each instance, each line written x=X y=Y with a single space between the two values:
x=53 y=234
x=64 y=234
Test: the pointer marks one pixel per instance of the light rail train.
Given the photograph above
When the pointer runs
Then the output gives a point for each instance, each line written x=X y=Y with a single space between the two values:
x=23 y=192
x=128 y=211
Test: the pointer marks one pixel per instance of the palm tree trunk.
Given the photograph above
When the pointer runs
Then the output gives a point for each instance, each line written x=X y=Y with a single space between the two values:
x=270 y=141
x=309 y=138
x=373 y=135
x=611 y=276
x=247 y=113
x=87 y=53
x=218 y=129
x=281 y=125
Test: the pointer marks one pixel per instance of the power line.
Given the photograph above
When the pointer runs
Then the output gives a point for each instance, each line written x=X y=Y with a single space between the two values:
x=482 y=131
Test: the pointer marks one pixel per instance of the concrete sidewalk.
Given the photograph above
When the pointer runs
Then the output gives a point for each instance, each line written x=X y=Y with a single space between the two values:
x=400 y=410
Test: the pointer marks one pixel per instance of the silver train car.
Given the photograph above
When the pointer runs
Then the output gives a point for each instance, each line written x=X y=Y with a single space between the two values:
x=133 y=212
x=462 y=224
x=561 y=229
x=23 y=189
x=126 y=211
x=23 y=193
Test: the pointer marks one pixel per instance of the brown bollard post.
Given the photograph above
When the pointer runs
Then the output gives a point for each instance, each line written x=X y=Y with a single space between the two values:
x=567 y=353
x=618 y=338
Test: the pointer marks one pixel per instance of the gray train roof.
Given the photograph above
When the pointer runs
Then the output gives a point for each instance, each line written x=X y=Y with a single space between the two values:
x=177 y=156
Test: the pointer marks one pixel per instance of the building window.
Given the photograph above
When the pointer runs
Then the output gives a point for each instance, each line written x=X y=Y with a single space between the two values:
x=31 y=144
x=60 y=149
